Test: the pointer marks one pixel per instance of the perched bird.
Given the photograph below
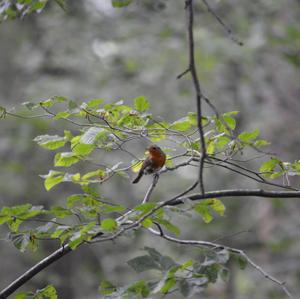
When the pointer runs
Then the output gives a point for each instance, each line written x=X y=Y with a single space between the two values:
x=153 y=163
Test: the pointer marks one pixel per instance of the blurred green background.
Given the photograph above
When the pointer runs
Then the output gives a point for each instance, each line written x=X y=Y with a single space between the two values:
x=97 y=51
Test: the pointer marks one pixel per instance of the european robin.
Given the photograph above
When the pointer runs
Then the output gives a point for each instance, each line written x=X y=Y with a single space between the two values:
x=154 y=162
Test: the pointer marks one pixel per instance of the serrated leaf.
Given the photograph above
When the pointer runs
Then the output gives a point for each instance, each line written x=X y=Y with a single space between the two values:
x=141 y=104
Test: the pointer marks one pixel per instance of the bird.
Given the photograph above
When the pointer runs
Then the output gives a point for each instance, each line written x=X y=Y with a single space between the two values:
x=154 y=162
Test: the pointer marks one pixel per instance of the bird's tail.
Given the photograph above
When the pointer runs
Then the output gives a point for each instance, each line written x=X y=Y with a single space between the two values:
x=139 y=176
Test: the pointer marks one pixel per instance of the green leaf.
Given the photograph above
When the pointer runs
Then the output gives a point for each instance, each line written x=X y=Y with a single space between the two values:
x=120 y=3
x=145 y=207
x=95 y=103
x=62 y=115
x=242 y=262
x=51 y=142
x=138 y=290
x=181 y=125
x=168 y=225
x=268 y=167
x=53 y=178
x=210 y=147
x=65 y=159
x=261 y=143
x=141 y=104
x=48 y=292
x=204 y=207
x=169 y=283
x=230 y=121
x=147 y=223
x=22 y=295
x=60 y=212
x=50 y=102
x=106 y=288
x=109 y=224
x=248 y=136
x=165 y=262
x=203 y=210
x=99 y=173
x=221 y=142
x=216 y=205
x=224 y=274
x=93 y=134
x=82 y=149
x=192 y=117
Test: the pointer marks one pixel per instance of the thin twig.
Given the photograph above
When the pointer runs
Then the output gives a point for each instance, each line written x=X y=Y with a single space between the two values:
x=220 y=21
x=151 y=188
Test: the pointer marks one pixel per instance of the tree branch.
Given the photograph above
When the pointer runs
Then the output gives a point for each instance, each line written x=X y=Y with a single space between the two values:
x=34 y=270
x=215 y=246
x=236 y=193
x=193 y=70
x=220 y=21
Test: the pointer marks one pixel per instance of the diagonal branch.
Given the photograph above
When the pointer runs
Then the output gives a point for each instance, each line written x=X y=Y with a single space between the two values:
x=214 y=246
x=21 y=280
x=221 y=22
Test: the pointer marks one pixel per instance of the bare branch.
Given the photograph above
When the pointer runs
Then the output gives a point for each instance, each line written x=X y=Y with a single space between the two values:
x=220 y=21
x=193 y=70
x=151 y=188
x=21 y=280
x=236 y=193
x=215 y=246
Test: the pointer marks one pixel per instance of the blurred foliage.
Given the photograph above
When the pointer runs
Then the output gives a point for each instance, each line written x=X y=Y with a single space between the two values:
x=96 y=51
